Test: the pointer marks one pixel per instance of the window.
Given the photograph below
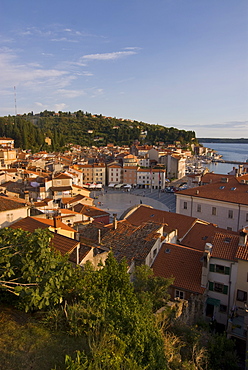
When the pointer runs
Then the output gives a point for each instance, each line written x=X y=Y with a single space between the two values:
x=220 y=269
x=198 y=208
x=214 y=211
x=154 y=252
x=10 y=217
x=230 y=213
x=241 y=296
x=223 y=308
x=218 y=287
x=185 y=205
x=179 y=294
x=246 y=217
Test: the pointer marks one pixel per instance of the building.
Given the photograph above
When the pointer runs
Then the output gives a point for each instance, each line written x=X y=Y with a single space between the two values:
x=224 y=202
x=93 y=173
x=12 y=210
x=114 y=173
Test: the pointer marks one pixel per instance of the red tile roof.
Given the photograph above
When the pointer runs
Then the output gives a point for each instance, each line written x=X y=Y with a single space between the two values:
x=63 y=244
x=174 y=220
x=200 y=234
x=8 y=204
x=33 y=223
x=225 y=246
x=183 y=264
x=62 y=176
x=89 y=211
x=231 y=191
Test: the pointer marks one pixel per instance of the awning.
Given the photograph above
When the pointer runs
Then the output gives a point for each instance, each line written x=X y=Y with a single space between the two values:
x=111 y=185
x=213 y=301
x=118 y=186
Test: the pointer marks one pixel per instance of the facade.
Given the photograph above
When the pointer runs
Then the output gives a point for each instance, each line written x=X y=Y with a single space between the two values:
x=224 y=203
x=7 y=157
x=151 y=178
x=114 y=174
x=130 y=175
x=94 y=173
x=12 y=210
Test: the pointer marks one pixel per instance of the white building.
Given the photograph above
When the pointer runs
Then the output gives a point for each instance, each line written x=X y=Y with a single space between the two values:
x=224 y=202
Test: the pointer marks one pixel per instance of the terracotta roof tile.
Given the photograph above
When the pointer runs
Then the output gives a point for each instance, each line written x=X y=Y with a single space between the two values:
x=131 y=242
x=183 y=264
x=231 y=191
x=200 y=234
x=7 y=204
x=174 y=220
x=242 y=252
x=89 y=211
x=63 y=244
x=33 y=223
x=225 y=246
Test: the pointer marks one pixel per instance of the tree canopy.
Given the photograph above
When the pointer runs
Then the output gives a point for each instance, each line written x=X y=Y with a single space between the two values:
x=29 y=131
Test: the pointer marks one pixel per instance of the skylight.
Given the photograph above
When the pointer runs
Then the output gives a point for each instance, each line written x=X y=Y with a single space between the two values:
x=227 y=240
x=167 y=250
x=233 y=188
x=222 y=187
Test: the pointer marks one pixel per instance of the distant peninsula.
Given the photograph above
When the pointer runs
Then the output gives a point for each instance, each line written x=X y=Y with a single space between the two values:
x=219 y=140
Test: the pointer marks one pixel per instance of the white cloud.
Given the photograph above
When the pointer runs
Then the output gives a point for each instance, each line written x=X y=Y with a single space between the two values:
x=41 y=105
x=132 y=48
x=60 y=107
x=70 y=93
x=108 y=56
x=64 y=39
x=29 y=75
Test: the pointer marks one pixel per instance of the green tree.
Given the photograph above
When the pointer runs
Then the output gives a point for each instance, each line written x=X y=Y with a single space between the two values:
x=109 y=311
x=221 y=353
x=147 y=286
x=31 y=269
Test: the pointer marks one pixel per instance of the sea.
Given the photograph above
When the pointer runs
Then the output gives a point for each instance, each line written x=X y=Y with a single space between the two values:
x=229 y=152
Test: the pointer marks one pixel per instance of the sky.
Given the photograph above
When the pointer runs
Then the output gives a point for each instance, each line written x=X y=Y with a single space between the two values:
x=176 y=63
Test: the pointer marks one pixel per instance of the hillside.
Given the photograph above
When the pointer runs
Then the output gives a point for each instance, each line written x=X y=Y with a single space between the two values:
x=85 y=129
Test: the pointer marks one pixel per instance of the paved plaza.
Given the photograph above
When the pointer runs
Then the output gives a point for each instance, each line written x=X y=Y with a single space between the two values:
x=118 y=201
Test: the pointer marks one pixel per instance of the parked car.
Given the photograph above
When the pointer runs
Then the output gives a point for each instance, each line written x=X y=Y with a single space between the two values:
x=170 y=189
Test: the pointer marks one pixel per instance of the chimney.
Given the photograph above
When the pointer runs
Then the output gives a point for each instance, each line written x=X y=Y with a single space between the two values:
x=243 y=238
x=114 y=221
x=99 y=236
x=78 y=247
x=240 y=170
x=205 y=264
x=197 y=192
x=208 y=247
x=224 y=179
x=56 y=219
x=26 y=196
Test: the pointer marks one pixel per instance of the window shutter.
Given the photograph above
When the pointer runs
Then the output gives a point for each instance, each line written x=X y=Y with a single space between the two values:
x=210 y=285
x=225 y=289
x=227 y=270
x=211 y=267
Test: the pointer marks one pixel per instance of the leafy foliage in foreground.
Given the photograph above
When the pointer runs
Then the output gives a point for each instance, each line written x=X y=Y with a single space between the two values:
x=107 y=321
x=120 y=329
x=34 y=271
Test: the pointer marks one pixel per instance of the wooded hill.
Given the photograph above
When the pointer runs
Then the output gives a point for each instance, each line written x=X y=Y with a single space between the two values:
x=83 y=128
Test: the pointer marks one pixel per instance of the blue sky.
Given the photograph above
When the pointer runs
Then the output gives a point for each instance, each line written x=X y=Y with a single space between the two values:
x=181 y=63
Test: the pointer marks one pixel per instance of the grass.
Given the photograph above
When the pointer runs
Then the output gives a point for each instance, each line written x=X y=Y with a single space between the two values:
x=26 y=344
